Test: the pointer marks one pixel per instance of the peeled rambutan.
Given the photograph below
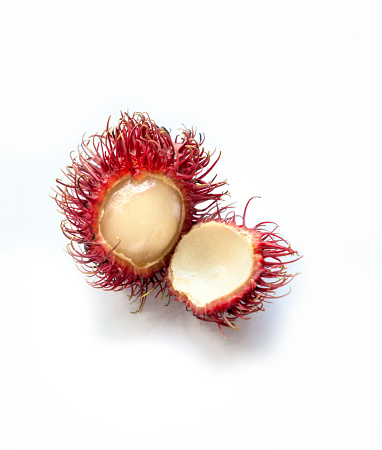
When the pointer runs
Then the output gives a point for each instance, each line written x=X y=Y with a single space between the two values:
x=128 y=196
x=223 y=271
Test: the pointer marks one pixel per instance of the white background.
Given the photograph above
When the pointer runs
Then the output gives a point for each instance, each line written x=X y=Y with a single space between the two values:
x=290 y=92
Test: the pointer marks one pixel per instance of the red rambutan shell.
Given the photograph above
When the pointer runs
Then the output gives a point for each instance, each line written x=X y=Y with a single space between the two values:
x=135 y=148
x=270 y=255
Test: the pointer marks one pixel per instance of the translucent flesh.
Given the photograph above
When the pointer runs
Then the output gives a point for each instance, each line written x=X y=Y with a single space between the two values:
x=211 y=261
x=143 y=217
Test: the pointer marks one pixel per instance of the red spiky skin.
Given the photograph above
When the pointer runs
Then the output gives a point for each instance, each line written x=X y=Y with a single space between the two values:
x=269 y=274
x=136 y=147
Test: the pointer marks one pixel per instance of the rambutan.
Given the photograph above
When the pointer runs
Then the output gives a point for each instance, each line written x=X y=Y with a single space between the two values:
x=128 y=196
x=223 y=270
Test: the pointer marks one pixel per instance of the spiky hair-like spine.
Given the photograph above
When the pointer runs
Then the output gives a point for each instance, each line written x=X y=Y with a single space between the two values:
x=135 y=147
x=269 y=274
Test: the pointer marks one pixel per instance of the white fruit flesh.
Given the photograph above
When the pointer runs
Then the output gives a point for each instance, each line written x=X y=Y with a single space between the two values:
x=143 y=217
x=210 y=262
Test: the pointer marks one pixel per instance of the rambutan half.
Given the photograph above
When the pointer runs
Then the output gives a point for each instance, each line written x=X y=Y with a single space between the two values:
x=128 y=196
x=223 y=271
